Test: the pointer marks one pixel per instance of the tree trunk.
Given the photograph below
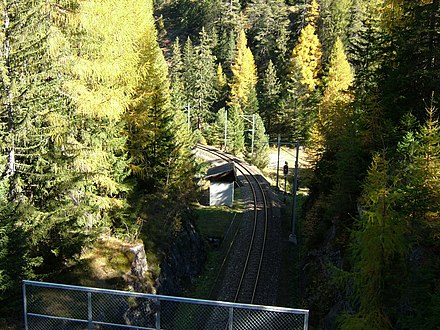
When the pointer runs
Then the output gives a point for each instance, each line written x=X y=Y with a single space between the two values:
x=8 y=90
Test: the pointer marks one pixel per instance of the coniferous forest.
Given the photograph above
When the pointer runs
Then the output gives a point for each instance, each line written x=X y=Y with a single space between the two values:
x=102 y=102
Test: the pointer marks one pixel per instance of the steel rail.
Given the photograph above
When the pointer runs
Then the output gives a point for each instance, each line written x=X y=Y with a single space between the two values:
x=243 y=169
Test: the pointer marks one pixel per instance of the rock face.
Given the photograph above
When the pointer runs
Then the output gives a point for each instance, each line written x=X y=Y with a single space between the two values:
x=184 y=260
x=322 y=295
x=139 y=266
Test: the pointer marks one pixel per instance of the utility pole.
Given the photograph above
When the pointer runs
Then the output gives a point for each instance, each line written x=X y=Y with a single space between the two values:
x=226 y=129
x=252 y=130
x=292 y=236
x=278 y=159
x=253 y=134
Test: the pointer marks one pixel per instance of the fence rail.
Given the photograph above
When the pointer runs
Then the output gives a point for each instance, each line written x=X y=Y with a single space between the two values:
x=60 y=306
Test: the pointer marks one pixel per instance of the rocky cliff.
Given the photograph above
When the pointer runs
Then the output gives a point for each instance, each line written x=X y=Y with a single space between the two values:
x=184 y=259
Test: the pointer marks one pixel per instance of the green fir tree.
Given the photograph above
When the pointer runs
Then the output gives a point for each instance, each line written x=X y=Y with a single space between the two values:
x=269 y=99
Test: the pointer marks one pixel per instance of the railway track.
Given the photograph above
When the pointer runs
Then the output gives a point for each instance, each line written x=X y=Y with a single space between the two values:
x=245 y=285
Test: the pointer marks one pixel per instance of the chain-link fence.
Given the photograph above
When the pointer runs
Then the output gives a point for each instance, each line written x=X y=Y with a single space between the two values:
x=59 y=306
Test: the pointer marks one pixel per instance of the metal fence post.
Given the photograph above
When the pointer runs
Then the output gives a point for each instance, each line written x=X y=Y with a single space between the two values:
x=158 y=314
x=25 y=307
x=231 y=318
x=89 y=310
x=306 y=321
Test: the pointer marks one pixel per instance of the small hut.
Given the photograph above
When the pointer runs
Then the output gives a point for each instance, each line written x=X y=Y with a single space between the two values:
x=222 y=179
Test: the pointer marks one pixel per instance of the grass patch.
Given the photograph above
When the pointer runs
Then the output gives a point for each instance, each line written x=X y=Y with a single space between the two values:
x=213 y=221
x=103 y=265
x=217 y=225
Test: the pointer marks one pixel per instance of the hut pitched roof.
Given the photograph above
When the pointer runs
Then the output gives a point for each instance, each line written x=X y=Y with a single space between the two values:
x=222 y=173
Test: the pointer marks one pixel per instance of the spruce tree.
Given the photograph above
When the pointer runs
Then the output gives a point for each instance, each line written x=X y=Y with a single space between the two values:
x=334 y=22
x=41 y=221
x=205 y=92
x=221 y=87
x=200 y=79
x=367 y=53
x=270 y=99
x=260 y=156
x=218 y=129
x=235 y=138
x=228 y=24
x=189 y=59
x=268 y=34
x=176 y=78
x=150 y=130
x=418 y=164
x=413 y=29
x=368 y=42
x=230 y=18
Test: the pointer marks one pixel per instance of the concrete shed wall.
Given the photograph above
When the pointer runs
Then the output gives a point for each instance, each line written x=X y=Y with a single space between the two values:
x=221 y=193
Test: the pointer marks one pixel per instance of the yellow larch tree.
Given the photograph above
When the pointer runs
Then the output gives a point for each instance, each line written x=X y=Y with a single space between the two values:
x=306 y=56
x=244 y=78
